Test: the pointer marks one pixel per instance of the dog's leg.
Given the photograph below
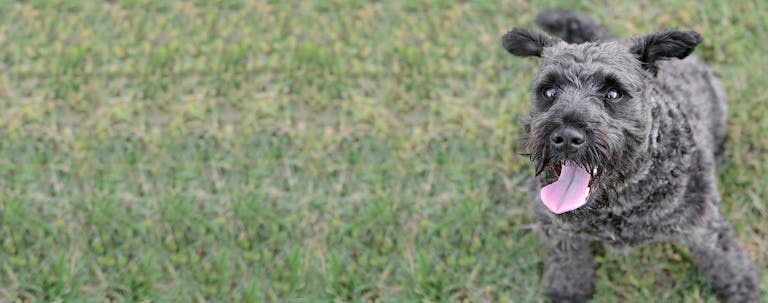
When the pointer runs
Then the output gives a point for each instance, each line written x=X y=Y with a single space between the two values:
x=570 y=269
x=719 y=257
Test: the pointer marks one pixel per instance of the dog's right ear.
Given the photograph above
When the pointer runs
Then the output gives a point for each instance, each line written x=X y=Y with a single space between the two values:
x=526 y=42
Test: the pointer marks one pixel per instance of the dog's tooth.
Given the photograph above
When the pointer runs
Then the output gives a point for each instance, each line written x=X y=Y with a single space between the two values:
x=594 y=171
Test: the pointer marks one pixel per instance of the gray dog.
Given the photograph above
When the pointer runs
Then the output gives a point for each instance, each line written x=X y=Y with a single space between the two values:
x=624 y=135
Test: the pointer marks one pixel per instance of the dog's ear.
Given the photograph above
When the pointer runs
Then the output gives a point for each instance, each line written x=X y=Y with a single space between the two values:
x=526 y=42
x=664 y=45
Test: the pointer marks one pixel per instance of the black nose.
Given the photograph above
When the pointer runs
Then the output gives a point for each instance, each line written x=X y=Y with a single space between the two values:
x=567 y=138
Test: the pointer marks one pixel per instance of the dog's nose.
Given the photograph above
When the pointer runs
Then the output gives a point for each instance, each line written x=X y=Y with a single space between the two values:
x=567 y=137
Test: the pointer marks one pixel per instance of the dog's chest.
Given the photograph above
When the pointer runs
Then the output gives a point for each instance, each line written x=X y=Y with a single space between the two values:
x=624 y=230
x=614 y=231
x=644 y=212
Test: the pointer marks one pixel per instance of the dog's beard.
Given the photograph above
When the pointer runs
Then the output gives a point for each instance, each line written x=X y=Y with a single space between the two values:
x=574 y=178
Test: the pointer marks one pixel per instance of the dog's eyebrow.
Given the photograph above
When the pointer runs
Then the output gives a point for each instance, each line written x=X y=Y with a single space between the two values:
x=606 y=80
x=553 y=79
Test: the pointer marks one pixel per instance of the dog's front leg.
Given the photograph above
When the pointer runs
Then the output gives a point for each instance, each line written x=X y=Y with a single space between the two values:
x=719 y=257
x=571 y=269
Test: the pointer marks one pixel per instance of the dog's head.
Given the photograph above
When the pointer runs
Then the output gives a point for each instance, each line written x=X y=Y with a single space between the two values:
x=590 y=114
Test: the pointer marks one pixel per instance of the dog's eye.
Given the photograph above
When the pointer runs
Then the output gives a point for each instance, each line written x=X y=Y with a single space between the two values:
x=549 y=92
x=613 y=95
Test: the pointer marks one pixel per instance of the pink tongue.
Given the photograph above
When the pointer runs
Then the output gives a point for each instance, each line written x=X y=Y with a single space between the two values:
x=569 y=192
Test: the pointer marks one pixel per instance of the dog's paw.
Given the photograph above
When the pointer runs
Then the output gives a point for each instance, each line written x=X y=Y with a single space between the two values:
x=745 y=289
x=560 y=297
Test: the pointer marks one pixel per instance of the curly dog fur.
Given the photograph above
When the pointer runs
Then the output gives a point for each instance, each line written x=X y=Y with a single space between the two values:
x=652 y=145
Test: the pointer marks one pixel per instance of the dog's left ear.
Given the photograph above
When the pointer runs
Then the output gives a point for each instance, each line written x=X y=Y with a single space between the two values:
x=664 y=45
x=524 y=42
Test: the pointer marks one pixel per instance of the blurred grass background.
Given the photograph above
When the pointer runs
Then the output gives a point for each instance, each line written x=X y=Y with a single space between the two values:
x=314 y=151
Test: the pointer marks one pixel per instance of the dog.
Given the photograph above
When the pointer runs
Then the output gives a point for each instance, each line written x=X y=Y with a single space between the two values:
x=624 y=136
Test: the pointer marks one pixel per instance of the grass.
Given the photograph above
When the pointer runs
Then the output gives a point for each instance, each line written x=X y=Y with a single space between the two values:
x=314 y=151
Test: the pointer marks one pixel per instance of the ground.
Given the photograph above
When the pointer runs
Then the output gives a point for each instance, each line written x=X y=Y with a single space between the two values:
x=315 y=151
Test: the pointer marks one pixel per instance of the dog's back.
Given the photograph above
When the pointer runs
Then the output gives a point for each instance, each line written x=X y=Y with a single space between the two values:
x=698 y=91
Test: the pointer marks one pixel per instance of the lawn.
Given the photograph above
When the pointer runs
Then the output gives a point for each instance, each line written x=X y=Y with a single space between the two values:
x=315 y=151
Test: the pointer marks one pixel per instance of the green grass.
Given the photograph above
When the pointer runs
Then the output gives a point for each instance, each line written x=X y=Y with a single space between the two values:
x=314 y=151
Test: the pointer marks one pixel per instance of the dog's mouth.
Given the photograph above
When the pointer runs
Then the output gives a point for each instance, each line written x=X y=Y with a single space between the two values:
x=572 y=188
